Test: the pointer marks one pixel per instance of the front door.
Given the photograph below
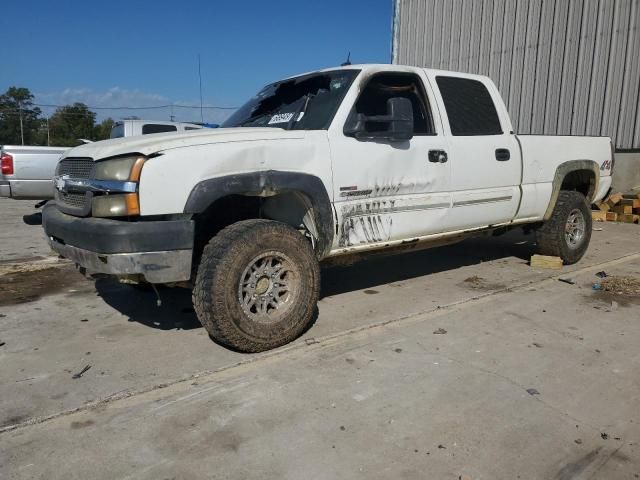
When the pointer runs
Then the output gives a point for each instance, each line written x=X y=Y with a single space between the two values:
x=386 y=191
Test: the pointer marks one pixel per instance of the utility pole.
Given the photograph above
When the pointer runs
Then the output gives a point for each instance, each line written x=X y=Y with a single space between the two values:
x=48 y=138
x=21 y=127
x=200 y=78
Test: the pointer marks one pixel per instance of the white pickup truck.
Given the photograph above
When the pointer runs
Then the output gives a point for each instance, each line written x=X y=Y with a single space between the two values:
x=336 y=162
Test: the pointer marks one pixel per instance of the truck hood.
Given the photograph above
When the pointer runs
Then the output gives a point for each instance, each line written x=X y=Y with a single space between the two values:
x=157 y=142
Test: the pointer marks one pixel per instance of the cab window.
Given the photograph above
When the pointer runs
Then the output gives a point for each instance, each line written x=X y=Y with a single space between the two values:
x=157 y=128
x=373 y=99
x=469 y=107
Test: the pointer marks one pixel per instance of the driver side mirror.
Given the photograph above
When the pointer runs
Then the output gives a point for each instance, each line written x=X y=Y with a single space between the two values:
x=395 y=126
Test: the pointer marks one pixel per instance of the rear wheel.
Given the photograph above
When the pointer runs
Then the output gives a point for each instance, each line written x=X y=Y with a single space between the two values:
x=568 y=232
x=257 y=285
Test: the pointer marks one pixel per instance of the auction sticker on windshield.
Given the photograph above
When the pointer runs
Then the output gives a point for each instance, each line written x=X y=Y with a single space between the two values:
x=284 y=118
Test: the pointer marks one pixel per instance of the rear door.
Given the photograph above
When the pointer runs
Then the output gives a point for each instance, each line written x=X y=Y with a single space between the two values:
x=384 y=190
x=484 y=154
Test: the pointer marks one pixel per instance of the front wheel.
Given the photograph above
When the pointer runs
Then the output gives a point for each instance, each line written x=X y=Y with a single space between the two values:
x=257 y=285
x=568 y=232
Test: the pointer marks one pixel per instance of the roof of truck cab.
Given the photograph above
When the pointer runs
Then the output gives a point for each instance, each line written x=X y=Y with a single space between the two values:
x=375 y=67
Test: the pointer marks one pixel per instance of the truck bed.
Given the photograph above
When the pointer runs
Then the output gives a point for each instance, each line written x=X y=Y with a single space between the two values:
x=33 y=169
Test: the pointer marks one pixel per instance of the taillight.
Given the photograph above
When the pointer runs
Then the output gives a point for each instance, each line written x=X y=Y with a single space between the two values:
x=6 y=164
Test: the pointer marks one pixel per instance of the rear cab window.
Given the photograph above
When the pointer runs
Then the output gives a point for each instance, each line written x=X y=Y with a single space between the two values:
x=157 y=128
x=469 y=106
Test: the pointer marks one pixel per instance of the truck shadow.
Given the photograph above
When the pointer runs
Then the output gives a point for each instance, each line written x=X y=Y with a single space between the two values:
x=139 y=305
x=404 y=266
x=176 y=311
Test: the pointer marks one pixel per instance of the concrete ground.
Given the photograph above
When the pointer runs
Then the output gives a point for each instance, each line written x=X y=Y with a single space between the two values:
x=458 y=362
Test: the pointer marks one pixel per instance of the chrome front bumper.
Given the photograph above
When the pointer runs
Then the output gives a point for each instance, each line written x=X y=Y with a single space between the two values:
x=156 y=267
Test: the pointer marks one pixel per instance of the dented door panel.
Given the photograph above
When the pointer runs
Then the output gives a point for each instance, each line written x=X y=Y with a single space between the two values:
x=387 y=191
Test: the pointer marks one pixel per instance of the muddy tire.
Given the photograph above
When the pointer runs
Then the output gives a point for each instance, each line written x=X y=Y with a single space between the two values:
x=568 y=232
x=257 y=285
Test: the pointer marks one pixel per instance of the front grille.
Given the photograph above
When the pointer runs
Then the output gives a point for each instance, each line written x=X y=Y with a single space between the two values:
x=74 y=203
x=76 y=200
x=76 y=167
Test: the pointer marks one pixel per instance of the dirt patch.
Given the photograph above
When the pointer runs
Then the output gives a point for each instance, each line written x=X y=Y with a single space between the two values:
x=29 y=284
x=622 y=291
x=609 y=301
x=628 y=286
x=479 y=283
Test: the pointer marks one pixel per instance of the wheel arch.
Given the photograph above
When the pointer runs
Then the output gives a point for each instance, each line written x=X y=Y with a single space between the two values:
x=579 y=175
x=290 y=197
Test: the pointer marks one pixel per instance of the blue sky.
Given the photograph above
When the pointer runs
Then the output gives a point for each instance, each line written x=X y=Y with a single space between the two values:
x=145 y=53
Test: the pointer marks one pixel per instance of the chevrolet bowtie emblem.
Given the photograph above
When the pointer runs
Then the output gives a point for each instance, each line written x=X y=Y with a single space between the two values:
x=61 y=183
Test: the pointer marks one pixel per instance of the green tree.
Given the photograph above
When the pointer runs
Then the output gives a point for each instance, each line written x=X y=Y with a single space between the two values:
x=70 y=123
x=19 y=119
x=102 y=130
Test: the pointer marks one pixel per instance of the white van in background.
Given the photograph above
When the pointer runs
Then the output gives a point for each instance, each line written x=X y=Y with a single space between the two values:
x=131 y=128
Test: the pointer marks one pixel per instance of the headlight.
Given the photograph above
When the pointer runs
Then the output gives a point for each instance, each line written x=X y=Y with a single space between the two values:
x=119 y=169
x=122 y=169
x=120 y=205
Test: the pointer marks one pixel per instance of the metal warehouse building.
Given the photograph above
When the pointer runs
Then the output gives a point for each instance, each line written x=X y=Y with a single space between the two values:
x=562 y=66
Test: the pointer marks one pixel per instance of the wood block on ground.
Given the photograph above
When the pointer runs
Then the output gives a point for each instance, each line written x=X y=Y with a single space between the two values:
x=627 y=218
x=545 y=261
x=604 y=207
x=612 y=217
x=614 y=199
x=623 y=209
x=599 y=216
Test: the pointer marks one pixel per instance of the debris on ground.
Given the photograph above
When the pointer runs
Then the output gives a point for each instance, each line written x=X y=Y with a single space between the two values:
x=479 y=283
x=618 y=208
x=545 y=261
x=570 y=281
x=621 y=285
x=81 y=372
x=440 y=331
x=474 y=279
x=604 y=436
x=537 y=345
x=2 y=344
x=532 y=391
x=578 y=441
x=602 y=274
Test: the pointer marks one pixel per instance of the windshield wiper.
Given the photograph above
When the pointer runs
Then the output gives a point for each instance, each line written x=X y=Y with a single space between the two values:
x=301 y=110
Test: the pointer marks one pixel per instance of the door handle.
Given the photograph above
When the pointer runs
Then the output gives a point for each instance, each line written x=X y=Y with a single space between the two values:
x=437 y=156
x=503 y=154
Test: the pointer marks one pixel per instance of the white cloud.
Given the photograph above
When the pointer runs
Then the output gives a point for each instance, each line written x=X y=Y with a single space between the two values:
x=110 y=101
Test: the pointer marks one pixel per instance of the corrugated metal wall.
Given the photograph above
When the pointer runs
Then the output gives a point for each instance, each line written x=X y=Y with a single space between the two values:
x=562 y=66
